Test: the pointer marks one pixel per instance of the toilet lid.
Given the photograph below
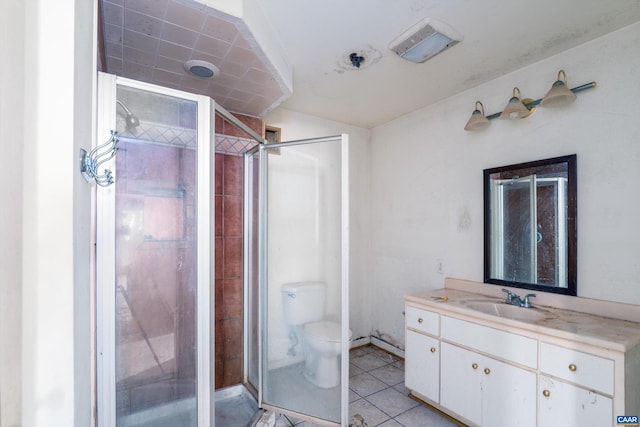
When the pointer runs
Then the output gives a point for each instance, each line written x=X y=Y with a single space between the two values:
x=324 y=330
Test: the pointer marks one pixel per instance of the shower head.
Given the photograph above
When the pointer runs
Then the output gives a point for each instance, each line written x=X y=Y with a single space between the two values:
x=131 y=120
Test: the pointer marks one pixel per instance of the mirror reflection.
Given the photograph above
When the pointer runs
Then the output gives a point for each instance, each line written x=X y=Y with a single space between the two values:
x=530 y=227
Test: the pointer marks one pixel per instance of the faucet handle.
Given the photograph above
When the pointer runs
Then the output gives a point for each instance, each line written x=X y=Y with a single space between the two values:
x=510 y=295
x=525 y=301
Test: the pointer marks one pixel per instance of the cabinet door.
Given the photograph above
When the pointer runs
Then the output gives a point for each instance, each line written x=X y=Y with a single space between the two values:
x=422 y=365
x=562 y=404
x=460 y=389
x=508 y=395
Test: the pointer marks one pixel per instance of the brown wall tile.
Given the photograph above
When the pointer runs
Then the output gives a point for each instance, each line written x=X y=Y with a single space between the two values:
x=232 y=372
x=232 y=264
x=219 y=258
x=232 y=214
x=233 y=297
x=233 y=176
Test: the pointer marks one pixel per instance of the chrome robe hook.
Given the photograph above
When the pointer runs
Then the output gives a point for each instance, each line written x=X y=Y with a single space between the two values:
x=89 y=163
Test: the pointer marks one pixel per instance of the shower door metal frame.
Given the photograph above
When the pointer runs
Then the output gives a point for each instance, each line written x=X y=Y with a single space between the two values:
x=261 y=150
x=105 y=253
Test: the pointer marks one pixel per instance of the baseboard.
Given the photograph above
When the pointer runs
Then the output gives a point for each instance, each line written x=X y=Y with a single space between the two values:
x=387 y=347
x=359 y=342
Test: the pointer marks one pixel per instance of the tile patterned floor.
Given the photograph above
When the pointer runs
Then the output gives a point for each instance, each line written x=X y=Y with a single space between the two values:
x=378 y=394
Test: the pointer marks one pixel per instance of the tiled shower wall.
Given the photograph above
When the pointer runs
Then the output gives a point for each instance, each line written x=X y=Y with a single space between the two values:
x=230 y=144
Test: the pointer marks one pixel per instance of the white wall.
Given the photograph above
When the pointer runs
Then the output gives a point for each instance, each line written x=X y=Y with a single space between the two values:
x=300 y=126
x=11 y=122
x=426 y=174
x=51 y=90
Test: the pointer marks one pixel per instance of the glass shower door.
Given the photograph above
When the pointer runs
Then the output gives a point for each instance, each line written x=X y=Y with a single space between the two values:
x=298 y=227
x=153 y=259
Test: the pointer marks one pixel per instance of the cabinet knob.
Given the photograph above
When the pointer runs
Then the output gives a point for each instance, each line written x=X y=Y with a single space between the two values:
x=420 y=320
x=573 y=367
x=474 y=366
x=546 y=393
x=433 y=349
x=487 y=371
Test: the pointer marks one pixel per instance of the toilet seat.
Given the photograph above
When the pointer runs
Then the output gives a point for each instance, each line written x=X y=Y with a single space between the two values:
x=325 y=330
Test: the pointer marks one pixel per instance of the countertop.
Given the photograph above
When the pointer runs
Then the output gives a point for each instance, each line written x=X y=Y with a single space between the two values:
x=613 y=334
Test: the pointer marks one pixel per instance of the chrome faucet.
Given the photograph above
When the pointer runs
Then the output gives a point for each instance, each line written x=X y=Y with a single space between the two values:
x=514 y=299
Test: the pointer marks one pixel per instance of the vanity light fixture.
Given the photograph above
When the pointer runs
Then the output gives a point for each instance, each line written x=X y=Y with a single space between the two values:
x=559 y=95
x=518 y=108
x=478 y=120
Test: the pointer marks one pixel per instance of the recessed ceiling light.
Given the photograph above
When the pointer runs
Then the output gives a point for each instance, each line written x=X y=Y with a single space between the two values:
x=200 y=68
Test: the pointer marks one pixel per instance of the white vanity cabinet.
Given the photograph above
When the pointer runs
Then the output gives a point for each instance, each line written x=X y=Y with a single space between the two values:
x=486 y=391
x=461 y=390
x=422 y=365
x=563 y=404
x=574 y=379
x=576 y=370
x=422 y=353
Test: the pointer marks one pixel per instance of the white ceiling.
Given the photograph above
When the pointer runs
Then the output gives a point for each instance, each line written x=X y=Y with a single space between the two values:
x=150 y=39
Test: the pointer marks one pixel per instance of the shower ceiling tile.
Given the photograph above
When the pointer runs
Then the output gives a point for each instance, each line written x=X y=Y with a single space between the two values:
x=113 y=50
x=152 y=8
x=171 y=65
x=173 y=51
x=112 y=13
x=179 y=35
x=140 y=42
x=141 y=23
x=160 y=35
x=144 y=58
x=167 y=77
x=185 y=16
x=210 y=44
x=218 y=27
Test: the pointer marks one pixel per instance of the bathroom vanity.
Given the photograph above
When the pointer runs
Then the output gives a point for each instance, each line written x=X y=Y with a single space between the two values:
x=567 y=361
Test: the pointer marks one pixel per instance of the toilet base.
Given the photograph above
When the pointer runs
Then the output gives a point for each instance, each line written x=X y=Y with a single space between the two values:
x=324 y=372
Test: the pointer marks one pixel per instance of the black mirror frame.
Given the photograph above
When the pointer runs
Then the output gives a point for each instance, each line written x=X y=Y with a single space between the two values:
x=572 y=229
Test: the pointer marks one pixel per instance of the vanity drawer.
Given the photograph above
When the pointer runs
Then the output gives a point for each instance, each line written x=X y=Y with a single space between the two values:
x=505 y=345
x=423 y=320
x=584 y=369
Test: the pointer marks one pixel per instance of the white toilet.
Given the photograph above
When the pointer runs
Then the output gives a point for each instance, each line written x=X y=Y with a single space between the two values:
x=304 y=304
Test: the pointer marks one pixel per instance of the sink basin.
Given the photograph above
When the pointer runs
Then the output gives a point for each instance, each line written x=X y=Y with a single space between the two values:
x=509 y=311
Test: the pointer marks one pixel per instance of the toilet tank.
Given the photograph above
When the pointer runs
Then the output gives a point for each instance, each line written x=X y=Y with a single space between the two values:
x=303 y=302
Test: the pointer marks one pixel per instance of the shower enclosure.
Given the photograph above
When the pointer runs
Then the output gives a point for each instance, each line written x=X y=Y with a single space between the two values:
x=153 y=258
x=155 y=262
x=296 y=230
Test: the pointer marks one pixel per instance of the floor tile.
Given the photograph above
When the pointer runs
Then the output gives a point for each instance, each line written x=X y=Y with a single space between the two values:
x=392 y=402
x=372 y=416
x=387 y=357
x=389 y=374
x=402 y=389
x=368 y=362
x=421 y=416
x=377 y=392
x=354 y=370
x=309 y=424
x=360 y=351
x=366 y=384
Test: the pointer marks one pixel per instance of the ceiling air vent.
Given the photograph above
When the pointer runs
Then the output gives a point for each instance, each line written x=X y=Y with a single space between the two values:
x=425 y=40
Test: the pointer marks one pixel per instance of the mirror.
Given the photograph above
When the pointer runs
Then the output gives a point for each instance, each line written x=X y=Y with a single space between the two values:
x=530 y=235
